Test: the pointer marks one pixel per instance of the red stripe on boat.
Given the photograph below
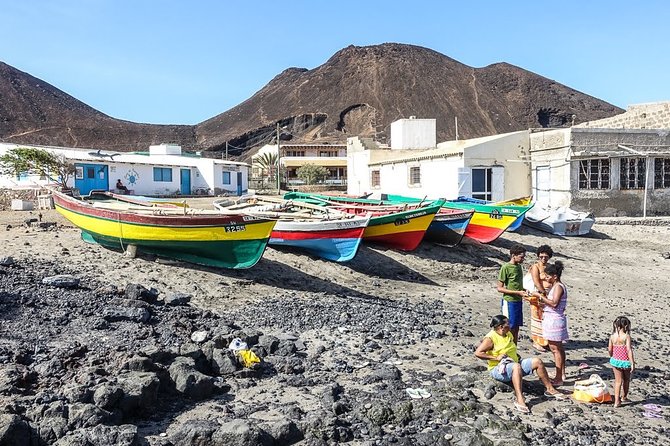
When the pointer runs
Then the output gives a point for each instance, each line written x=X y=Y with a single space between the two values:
x=335 y=233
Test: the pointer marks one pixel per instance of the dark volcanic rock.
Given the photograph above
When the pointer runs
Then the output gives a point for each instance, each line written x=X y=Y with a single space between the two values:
x=14 y=431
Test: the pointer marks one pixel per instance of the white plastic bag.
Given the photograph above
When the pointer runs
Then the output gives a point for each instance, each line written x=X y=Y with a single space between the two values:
x=237 y=344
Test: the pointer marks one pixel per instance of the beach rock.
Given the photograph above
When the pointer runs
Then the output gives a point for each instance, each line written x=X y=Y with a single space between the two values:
x=89 y=415
x=241 y=433
x=140 y=392
x=50 y=429
x=117 y=314
x=14 y=431
x=6 y=261
x=269 y=343
x=194 y=432
x=199 y=336
x=177 y=299
x=190 y=382
x=107 y=396
x=138 y=292
x=101 y=435
x=61 y=281
x=224 y=362
x=284 y=432
x=383 y=373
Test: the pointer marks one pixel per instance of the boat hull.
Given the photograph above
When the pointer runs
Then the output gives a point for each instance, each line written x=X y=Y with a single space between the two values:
x=489 y=220
x=392 y=226
x=561 y=221
x=448 y=228
x=403 y=231
x=332 y=240
x=225 y=242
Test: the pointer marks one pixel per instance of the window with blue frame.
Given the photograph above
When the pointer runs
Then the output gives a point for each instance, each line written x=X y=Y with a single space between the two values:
x=163 y=174
x=226 y=177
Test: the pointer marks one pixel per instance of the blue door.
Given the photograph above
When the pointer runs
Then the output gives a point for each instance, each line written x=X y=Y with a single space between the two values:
x=185 y=182
x=239 y=183
x=90 y=177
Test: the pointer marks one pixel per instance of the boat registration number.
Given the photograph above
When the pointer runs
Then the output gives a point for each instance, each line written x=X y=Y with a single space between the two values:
x=236 y=228
x=495 y=215
x=401 y=221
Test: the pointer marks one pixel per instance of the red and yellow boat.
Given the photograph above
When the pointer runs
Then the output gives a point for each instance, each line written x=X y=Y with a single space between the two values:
x=397 y=226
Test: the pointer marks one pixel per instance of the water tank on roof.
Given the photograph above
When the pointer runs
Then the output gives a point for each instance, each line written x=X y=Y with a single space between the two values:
x=165 y=149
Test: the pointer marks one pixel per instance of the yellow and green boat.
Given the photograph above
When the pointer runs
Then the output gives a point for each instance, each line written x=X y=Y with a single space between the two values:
x=193 y=235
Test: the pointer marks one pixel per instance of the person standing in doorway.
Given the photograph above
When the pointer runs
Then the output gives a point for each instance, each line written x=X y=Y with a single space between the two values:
x=510 y=285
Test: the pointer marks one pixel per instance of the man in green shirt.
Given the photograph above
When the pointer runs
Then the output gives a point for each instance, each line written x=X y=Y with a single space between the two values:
x=510 y=284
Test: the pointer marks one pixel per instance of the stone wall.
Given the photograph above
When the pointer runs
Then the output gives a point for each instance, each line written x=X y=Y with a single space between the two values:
x=654 y=115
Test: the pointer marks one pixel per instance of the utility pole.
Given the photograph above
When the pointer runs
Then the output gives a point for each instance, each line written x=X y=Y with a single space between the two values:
x=226 y=150
x=278 y=163
x=456 y=123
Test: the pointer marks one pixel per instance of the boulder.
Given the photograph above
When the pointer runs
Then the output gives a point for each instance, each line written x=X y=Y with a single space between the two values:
x=124 y=435
x=241 y=433
x=140 y=392
x=189 y=381
x=224 y=362
x=61 y=281
x=107 y=396
x=14 y=431
x=177 y=299
x=194 y=432
x=117 y=314
x=138 y=292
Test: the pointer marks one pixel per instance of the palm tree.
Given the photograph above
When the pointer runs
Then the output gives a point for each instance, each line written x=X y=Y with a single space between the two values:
x=268 y=163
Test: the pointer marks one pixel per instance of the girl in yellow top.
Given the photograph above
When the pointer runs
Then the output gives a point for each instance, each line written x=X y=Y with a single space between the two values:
x=499 y=349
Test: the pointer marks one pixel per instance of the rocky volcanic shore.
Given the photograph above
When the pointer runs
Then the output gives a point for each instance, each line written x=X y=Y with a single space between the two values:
x=97 y=349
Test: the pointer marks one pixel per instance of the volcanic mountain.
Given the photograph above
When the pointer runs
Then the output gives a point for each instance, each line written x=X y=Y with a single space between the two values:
x=358 y=91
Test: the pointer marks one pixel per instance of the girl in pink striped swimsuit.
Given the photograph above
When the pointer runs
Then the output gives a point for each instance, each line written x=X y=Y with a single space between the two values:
x=621 y=358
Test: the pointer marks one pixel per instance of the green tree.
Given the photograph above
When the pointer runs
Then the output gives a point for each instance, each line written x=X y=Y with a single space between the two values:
x=312 y=174
x=39 y=162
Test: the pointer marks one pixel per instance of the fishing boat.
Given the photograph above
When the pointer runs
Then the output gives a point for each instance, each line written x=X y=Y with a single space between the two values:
x=522 y=201
x=489 y=220
x=397 y=226
x=560 y=221
x=199 y=236
x=318 y=230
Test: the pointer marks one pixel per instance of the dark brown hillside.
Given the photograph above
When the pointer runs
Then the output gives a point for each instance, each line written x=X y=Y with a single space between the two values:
x=361 y=90
x=34 y=112
x=358 y=91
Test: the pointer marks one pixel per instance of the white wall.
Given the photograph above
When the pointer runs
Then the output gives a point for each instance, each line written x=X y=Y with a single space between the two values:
x=358 y=177
x=206 y=173
x=550 y=150
x=413 y=134
x=509 y=151
x=438 y=178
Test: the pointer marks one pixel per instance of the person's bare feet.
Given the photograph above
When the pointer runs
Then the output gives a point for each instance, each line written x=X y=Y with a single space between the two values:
x=556 y=383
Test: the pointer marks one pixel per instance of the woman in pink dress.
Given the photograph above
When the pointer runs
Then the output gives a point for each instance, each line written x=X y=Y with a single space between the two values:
x=554 y=322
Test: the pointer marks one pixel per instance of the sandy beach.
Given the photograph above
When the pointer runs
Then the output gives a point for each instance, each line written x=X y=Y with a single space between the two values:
x=420 y=313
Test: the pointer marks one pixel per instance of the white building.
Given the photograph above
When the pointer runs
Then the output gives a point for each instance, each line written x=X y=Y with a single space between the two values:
x=294 y=156
x=613 y=166
x=491 y=168
x=163 y=170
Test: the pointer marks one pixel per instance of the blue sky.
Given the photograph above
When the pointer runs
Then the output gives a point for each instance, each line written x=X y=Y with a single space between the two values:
x=182 y=62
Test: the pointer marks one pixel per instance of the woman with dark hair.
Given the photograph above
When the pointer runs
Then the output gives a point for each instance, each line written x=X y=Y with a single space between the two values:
x=499 y=349
x=535 y=282
x=554 y=322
